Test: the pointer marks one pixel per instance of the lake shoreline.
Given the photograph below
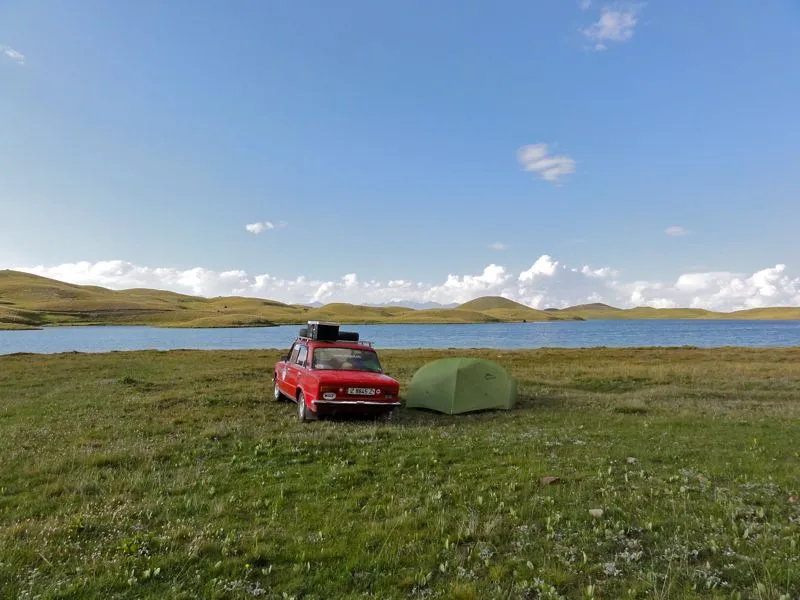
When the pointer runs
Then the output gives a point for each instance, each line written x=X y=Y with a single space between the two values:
x=472 y=350
x=46 y=326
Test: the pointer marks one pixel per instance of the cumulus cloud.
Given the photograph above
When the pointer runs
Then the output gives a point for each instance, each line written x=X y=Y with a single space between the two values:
x=546 y=283
x=676 y=231
x=616 y=24
x=601 y=272
x=498 y=246
x=544 y=265
x=466 y=287
x=719 y=290
x=537 y=159
x=257 y=228
x=15 y=55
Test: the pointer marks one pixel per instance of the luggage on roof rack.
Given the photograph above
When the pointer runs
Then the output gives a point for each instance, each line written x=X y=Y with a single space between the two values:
x=325 y=331
x=321 y=330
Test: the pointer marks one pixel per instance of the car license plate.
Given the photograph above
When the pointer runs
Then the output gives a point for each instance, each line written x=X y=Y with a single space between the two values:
x=361 y=391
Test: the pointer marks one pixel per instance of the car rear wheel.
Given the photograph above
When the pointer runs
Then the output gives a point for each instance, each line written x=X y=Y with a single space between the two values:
x=302 y=410
x=277 y=395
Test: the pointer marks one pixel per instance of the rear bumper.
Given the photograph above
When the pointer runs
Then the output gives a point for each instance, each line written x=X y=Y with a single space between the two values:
x=365 y=403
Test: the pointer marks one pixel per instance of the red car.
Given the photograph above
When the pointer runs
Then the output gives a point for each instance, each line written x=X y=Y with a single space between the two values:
x=328 y=371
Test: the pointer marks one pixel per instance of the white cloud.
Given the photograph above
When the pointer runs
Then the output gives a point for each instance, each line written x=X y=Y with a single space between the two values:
x=466 y=287
x=544 y=265
x=15 y=55
x=498 y=246
x=585 y=4
x=676 y=231
x=601 y=272
x=614 y=25
x=535 y=158
x=546 y=283
x=257 y=228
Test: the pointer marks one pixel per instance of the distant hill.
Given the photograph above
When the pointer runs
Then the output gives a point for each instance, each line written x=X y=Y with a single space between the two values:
x=789 y=313
x=604 y=311
x=412 y=304
x=491 y=303
x=594 y=306
x=504 y=309
x=29 y=301
x=32 y=301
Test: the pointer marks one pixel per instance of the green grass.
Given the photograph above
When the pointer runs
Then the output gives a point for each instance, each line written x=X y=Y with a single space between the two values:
x=11 y=318
x=30 y=302
x=173 y=474
x=17 y=326
x=230 y=320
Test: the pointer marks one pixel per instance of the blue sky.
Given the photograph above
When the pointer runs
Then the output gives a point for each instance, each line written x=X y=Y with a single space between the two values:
x=151 y=133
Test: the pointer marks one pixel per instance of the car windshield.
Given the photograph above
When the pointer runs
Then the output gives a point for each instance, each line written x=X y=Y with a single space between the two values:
x=346 y=359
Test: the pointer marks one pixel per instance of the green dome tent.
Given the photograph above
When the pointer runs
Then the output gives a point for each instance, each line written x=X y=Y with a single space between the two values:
x=458 y=385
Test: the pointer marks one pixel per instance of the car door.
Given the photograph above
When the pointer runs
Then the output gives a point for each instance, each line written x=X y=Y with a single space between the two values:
x=283 y=371
x=294 y=367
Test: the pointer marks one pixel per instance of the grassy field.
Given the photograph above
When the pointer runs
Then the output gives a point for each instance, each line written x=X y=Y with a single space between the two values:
x=30 y=302
x=174 y=475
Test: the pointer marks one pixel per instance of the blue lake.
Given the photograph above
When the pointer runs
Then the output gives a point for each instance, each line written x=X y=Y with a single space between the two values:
x=571 y=334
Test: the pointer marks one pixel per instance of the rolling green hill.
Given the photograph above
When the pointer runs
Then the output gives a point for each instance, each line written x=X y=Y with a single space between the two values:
x=503 y=309
x=30 y=301
x=603 y=311
x=493 y=303
x=790 y=313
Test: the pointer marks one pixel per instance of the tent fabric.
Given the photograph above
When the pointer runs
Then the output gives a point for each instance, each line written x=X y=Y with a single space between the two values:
x=459 y=385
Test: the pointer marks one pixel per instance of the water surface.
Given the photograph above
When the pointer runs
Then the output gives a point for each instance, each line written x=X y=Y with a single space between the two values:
x=567 y=334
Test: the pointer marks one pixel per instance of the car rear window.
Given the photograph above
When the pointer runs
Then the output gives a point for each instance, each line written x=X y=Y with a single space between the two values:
x=346 y=359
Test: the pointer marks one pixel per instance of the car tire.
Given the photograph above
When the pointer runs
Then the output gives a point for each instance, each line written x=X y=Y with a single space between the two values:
x=303 y=413
x=277 y=394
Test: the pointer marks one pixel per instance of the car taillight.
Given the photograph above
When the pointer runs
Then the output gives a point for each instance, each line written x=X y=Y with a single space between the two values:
x=327 y=392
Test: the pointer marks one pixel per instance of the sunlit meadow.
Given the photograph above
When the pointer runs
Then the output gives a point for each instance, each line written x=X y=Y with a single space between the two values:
x=174 y=474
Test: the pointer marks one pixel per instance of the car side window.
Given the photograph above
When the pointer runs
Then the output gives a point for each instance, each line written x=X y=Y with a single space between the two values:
x=301 y=357
x=293 y=354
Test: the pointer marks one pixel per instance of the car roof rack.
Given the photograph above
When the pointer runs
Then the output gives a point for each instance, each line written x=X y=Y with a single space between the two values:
x=358 y=343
